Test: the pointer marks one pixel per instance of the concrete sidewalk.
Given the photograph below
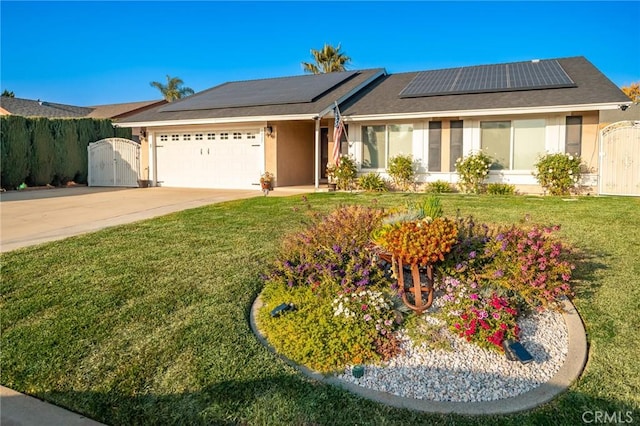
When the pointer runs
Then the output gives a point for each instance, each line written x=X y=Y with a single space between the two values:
x=17 y=409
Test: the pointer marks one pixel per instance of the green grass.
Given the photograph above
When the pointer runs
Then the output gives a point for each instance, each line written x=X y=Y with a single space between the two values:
x=148 y=323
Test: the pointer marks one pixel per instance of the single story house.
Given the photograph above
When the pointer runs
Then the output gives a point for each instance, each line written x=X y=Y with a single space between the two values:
x=226 y=136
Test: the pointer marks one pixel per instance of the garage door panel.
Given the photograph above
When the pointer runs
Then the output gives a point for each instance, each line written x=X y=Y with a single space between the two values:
x=231 y=162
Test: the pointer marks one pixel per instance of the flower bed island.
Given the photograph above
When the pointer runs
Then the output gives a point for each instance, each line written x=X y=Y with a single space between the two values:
x=490 y=284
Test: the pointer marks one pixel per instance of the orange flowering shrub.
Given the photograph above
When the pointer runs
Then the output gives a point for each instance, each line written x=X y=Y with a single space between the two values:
x=419 y=241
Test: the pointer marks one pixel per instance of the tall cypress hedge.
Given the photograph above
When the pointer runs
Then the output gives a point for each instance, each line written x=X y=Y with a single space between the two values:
x=15 y=147
x=40 y=151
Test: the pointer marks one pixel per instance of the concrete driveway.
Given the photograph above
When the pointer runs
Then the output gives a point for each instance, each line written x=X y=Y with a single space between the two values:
x=34 y=217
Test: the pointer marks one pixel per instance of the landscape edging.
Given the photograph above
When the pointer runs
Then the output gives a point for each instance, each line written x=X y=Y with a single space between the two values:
x=571 y=369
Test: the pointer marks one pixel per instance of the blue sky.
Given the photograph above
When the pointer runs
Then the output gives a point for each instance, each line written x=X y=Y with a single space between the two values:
x=89 y=53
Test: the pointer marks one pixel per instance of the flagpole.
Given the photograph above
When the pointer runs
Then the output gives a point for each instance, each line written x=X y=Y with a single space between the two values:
x=344 y=129
x=339 y=128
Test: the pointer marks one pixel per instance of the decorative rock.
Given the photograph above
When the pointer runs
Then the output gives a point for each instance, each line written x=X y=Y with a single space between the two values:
x=469 y=373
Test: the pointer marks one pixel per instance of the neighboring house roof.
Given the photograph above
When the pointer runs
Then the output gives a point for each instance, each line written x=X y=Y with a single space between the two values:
x=31 y=108
x=591 y=88
x=316 y=101
x=632 y=113
x=122 y=110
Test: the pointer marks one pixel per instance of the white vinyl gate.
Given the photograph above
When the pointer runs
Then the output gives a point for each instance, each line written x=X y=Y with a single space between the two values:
x=114 y=162
x=620 y=159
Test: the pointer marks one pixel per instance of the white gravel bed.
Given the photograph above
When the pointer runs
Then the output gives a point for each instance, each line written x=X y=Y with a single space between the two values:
x=469 y=373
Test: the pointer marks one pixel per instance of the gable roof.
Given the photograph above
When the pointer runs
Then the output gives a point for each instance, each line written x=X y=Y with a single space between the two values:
x=593 y=90
x=31 y=108
x=121 y=110
x=316 y=102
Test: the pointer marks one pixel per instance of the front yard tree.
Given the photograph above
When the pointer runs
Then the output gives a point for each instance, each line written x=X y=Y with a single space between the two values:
x=632 y=91
x=173 y=89
x=327 y=59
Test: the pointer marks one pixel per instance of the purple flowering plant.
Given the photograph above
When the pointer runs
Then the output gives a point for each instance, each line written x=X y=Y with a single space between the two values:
x=530 y=263
x=334 y=249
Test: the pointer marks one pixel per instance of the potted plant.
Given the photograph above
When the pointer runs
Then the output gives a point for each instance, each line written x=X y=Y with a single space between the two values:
x=331 y=176
x=266 y=181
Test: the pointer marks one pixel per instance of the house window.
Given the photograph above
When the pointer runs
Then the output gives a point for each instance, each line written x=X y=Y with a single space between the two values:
x=186 y=137
x=237 y=135
x=251 y=135
x=224 y=135
x=164 y=138
x=381 y=142
x=211 y=136
x=513 y=145
x=199 y=136
x=574 y=135
x=175 y=137
x=455 y=148
x=435 y=146
x=528 y=143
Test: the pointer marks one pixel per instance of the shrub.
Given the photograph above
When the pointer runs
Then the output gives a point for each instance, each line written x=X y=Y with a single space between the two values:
x=15 y=150
x=439 y=187
x=501 y=189
x=312 y=334
x=372 y=182
x=332 y=250
x=43 y=152
x=485 y=320
x=344 y=312
x=345 y=173
x=558 y=173
x=430 y=207
x=421 y=241
x=529 y=263
x=402 y=171
x=472 y=172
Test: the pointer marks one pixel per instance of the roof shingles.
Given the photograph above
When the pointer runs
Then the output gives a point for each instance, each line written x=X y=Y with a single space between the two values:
x=383 y=96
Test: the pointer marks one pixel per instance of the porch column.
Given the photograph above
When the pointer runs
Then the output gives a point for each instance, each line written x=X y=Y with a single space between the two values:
x=153 y=169
x=317 y=153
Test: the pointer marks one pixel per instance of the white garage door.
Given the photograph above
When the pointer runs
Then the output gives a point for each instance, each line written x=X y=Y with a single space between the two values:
x=210 y=159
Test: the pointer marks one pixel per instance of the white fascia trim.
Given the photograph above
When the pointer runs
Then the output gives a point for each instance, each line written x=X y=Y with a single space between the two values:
x=485 y=112
x=353 y=92
x=224 y=120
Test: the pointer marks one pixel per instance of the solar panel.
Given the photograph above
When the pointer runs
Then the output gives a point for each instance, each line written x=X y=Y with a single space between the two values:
x=273 y=91
x=545 y=74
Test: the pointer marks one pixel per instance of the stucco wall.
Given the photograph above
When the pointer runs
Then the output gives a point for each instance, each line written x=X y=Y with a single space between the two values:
x=590 y=140
x=295 y=153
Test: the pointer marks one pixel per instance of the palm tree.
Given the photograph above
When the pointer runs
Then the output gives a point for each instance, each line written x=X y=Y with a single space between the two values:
x=173 y=89
x=328 y=59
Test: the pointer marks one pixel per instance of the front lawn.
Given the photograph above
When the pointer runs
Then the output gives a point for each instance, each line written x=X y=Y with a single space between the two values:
x=148 y=323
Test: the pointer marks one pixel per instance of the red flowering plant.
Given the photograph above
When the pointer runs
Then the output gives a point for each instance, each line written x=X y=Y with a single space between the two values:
x=487 y=322
x=477 y=313
x=530 y=264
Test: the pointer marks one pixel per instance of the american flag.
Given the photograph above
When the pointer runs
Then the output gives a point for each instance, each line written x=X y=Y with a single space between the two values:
x=337 y=135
